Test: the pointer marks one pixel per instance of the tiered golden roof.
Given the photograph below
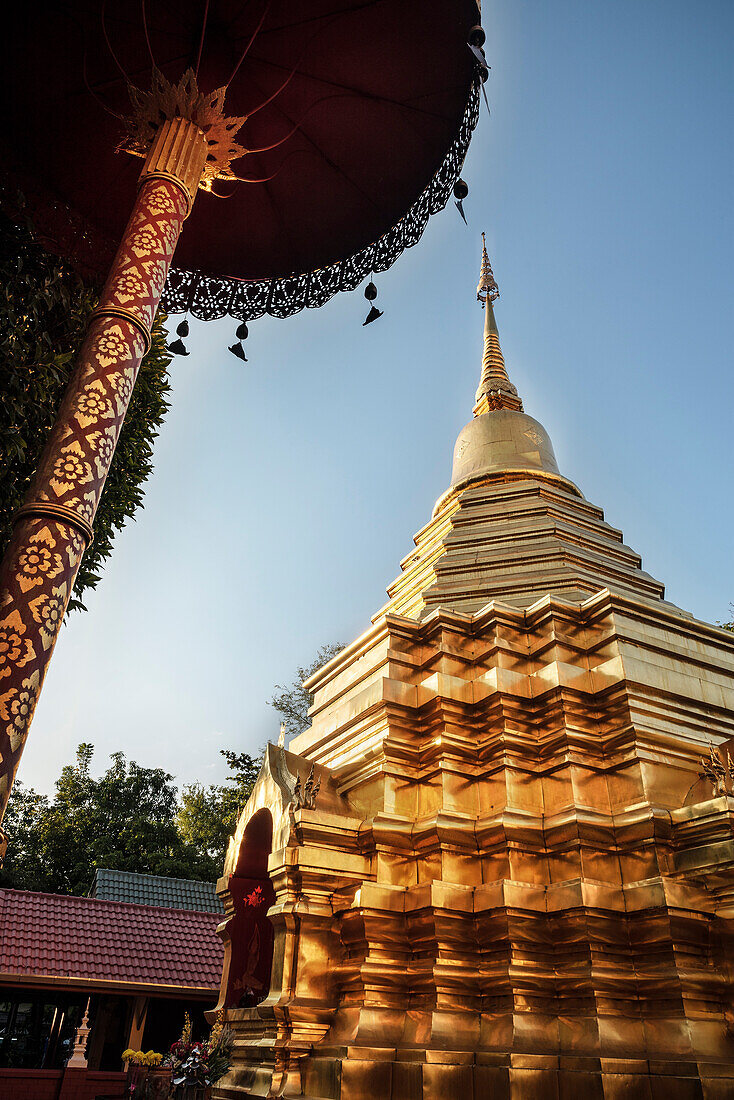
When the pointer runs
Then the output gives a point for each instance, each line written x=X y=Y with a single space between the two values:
x=517 y=878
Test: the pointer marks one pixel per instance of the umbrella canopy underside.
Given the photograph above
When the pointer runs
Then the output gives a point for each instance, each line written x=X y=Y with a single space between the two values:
x=359 y=116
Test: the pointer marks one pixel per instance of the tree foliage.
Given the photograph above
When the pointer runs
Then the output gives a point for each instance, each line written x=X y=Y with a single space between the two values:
x=133 y=818
x=129 y=819
x=126 y=820
x=44 y=310
x=24 y=822
x=293 y=702
x=208 y=815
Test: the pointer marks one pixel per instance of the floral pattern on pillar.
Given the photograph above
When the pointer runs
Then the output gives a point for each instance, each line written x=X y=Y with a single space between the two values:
x=45 y=551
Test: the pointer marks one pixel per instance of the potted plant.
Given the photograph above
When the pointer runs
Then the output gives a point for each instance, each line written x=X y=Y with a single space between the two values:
x=147 y=1078
x=196 y=1066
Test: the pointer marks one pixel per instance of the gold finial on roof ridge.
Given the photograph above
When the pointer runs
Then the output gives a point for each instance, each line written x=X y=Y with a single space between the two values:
x=496 y=391
x=487 y=285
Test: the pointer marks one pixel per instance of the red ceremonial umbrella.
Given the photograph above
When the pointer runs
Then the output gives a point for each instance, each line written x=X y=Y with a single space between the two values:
x=323 y=134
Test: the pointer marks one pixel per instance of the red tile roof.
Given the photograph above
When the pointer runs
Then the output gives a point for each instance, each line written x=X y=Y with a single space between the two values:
x=107 y=942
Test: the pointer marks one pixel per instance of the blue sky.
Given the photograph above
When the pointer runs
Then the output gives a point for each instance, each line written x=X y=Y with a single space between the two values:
x=287 y=489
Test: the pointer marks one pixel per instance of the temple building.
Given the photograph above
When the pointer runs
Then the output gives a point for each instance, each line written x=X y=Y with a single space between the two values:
x=126 y=963
x=500 y=863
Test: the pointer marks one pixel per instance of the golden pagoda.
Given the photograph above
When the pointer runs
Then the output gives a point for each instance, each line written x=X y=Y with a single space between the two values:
x=500 y=863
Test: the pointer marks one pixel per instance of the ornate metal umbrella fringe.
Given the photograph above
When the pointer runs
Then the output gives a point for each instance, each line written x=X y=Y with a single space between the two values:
x=209 y=298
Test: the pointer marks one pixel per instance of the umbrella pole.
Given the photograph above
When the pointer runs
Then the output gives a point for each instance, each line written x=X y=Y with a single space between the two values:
x=54 y=525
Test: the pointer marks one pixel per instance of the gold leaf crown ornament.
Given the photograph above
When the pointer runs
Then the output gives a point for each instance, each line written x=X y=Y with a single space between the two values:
x=487 y=287
x=166 y=102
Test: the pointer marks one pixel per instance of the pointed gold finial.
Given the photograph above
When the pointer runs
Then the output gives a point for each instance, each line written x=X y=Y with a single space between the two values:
x=496 y=391
x=487 y=286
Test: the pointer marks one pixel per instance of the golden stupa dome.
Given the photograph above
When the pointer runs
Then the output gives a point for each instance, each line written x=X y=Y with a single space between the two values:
x=502 y=438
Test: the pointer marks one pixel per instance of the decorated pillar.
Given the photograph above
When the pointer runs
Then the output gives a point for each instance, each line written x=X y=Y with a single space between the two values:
x=55 y=524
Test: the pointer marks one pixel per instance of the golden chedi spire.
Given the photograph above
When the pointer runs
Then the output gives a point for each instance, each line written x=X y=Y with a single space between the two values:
x=510 y=527
x=495 y=389
x=501 y=439
x=512 y=876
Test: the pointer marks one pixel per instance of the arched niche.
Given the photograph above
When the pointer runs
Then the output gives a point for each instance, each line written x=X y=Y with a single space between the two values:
x=249 y=933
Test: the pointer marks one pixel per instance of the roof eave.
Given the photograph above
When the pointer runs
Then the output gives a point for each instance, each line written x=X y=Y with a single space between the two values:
x=109 y=985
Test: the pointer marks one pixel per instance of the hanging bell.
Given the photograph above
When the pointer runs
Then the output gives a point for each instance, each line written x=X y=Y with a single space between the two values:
x=482 y=65
x=373 y=314
x=475 y=44
x=242 y=331
x=370 y=292
x=460 y=192
x=239 y=351
x=485 y=74
x=480 y=59
x=178 y=348
x=183 y=328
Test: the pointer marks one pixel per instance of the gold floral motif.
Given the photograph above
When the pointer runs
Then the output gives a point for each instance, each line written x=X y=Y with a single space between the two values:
x=122 y=384
x=111 y=346
x=138 y=346
x=129 y=286
x=170 y=233
x=85 y=506
x=75 y=544
x=159 y=201
x=156 y=271
x=48 y=611
x=74 y=554
x=15 y=650
x=16 y=708
x=93 y=404
x=38 y=561
x=145 y=242
x=102 y=443
x=69 y=470
x=75 y=547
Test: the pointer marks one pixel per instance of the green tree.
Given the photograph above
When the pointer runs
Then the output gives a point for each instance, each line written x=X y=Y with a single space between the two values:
x=132 y=818
x=293 y=702
x=23 y=823
x=126 y=820
x=208 y=815
x=44 y=310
